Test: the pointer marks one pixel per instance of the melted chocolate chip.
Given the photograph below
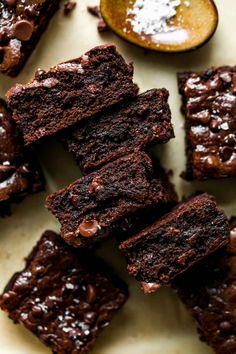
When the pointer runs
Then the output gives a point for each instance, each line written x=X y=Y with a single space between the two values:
x=88 y=228
x=91 y=294
x=23 y=30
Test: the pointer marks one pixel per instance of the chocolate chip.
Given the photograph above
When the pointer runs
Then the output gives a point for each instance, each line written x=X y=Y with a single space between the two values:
x=23 y=30
x=91 y=294
x=11 y=3
x=214 y=125
x=225 y=326
x=225 y=153
x=88 y=228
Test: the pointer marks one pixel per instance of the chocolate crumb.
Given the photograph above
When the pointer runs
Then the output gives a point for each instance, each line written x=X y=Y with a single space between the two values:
x=69 y=6
x=95 y=11
x=102 y=26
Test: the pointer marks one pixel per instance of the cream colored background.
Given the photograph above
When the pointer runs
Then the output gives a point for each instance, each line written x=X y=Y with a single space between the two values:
x=154 y=324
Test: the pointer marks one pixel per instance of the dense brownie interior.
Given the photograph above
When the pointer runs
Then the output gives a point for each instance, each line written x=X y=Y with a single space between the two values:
x=63 y=296
x=20 y=173
x=128 y=127
x=178 y=240
x=209 y=105
x=70 y=92
x=91 y=207
x=209 y=291
x=21 y=24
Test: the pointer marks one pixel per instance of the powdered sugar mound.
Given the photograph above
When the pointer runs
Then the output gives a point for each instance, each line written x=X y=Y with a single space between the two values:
x=151 y=16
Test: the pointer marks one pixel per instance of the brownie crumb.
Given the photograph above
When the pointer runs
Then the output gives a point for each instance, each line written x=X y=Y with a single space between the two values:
x=69 y=7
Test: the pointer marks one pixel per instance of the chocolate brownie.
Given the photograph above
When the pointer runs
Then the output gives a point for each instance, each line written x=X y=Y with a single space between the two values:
x=95 y=205
x=20 y=174
x=22 y=22
x=128 y=127
x=70 y=92
x=209 y=105
x=209 y=292
x=63 y=296
x=191 y=231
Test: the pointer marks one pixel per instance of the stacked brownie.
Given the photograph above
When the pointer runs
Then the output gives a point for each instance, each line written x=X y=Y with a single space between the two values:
x=95 y=205
x=131 y=126
x=181 y=238
x=20 y=173
x=21 y=24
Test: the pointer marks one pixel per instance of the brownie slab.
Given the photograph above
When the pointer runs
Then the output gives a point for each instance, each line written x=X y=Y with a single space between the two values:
x=128 y=127
x=22 y=23
x=186 y=235
x=63 y=296
x=70 y=92
x=209 y=292
x=94 y=206
x=20 y=173
x=209 y=105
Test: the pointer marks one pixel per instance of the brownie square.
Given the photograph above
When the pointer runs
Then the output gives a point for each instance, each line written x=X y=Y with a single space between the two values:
x=70 y=92
x=209 y=105
x=20 y=173
x=95 y=205
x=134 y=125
x=186 y=235
x=63 y=296
x=22 y=23
x=209 y=292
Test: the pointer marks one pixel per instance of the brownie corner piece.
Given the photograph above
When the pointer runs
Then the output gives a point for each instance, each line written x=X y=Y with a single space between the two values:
x=209 y=293
x=63 y=296
x=20 y=173
x=21 y=26
x=209 y=106
x=93 y=207
x=70 y=92
x=181 y=238
x=133 y=125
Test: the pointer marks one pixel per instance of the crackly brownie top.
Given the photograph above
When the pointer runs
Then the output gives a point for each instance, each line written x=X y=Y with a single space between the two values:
x=63 y=296
x=209 y=103
x=209 y=290
x=18 y=174
x=18 y=22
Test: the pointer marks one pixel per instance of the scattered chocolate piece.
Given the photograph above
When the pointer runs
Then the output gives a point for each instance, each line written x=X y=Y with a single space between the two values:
x=21 y=25
x=209 y=292
x=69 y=6
x=71 y=92
x=20 y=173
x=177 y=241
x=96 y=205
x=131 y=126
x=65 y=297
x=209 y=105
x=95 y=11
